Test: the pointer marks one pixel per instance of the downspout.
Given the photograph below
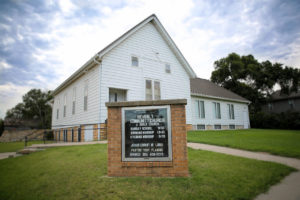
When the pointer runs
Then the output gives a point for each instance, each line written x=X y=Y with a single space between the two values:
x=100 y=72
x=95 y=60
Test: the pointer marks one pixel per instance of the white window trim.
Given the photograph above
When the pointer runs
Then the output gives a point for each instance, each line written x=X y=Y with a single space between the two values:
x=65 y=105
x=198 y=102
x=85 y=88
x=138 y=58
x=215 y=109
x=58 y=105
x=74 y=101
x=166 y=68
x=231 y=114
x=152 y=87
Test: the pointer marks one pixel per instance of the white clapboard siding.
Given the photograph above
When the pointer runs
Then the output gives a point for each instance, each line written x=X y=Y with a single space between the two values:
x=153 y=53
x=91 y=116
x=239 y=109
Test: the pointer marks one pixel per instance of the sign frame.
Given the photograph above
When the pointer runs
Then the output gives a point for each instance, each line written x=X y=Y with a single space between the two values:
x=145 y=159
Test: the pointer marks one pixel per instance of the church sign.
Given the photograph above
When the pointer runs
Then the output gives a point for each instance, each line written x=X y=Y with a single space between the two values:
x=146 y=133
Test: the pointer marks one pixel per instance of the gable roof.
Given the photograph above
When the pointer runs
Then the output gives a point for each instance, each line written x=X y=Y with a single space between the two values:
x=98 y=57
x=276 y=96
x=206 y=88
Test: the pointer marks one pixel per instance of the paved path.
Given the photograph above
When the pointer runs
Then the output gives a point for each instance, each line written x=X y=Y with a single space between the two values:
x=287 y=189
x=36 y=147
x=61 y=144
x=7 y=154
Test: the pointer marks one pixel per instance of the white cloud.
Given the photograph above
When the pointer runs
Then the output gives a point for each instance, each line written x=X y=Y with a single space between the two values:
x=67 y=6
x=10 y=95
x=6 y=41
x=4 y=65
x=204 y=33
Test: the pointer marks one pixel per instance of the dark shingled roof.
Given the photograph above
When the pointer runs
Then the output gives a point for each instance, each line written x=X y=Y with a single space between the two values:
x=207 y=88
x=277 y=96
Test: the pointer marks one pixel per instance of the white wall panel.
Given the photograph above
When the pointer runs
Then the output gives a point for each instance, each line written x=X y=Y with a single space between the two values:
x=239 y=109
x=153 y=53
x=91 y=116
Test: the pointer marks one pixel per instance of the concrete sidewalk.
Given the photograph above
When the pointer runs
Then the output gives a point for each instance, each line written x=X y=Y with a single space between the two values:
x=37 y=147
x=287 y=189
x=7 y=155
x=61 y=144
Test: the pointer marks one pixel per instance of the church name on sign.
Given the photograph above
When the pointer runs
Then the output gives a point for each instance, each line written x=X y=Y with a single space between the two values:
x=146 y=134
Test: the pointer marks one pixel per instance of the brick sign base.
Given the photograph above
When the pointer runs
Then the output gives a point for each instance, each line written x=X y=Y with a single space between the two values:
x=178 y=167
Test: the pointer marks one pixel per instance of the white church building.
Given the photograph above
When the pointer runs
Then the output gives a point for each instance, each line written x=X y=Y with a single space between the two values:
x=142 y=64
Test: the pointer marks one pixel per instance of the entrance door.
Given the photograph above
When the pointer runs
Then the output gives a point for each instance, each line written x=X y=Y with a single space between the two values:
x=88 y=133
x=117 y=95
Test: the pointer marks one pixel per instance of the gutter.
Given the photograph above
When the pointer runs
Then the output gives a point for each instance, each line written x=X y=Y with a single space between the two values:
x=77 y=73
x=222 y=98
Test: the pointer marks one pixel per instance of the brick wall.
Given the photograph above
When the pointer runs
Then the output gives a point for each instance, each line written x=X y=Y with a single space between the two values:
x=95 y=132
x=209 y=127
x=103 y=131
x=239 y=127
x=82 y=134
x=175 y=168
x=189 y=127
x=225 y=127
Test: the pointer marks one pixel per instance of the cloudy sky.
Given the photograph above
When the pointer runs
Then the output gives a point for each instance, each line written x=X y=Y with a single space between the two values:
x=43 y=42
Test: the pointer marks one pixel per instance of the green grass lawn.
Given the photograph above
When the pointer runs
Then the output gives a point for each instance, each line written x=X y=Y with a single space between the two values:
x=278 y=142
x=16 y=146
x=79 y=172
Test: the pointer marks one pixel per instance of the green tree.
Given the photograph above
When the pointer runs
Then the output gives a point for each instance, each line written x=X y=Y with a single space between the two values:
x=36 y=106
x=252 y=79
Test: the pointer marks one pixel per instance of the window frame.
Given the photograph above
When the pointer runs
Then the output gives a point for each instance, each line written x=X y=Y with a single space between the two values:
x=65 y=105
x=154 y=89
x=57 y=110
x=200 y=125
x=167 y=71
x=291 y=103
x=74 y=101
x=231 y=126
x=153 y=94
x=230 y=111
x=217 y=110
x=200 y=109
x=217 y=125
x=270 y=106
x=137 y=61
x=85 y=95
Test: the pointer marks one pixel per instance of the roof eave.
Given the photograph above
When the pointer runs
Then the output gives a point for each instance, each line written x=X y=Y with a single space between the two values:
x=101 y=54
x=221 y=98
x=75 y=75
x=177 y=52
x=119 y=40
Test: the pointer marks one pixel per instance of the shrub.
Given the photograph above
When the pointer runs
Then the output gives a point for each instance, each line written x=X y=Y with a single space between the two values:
x=284 y=120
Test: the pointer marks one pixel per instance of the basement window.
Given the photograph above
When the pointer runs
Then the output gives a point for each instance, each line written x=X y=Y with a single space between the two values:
x=217 y=126
x=200 y=127
x=231 y=126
